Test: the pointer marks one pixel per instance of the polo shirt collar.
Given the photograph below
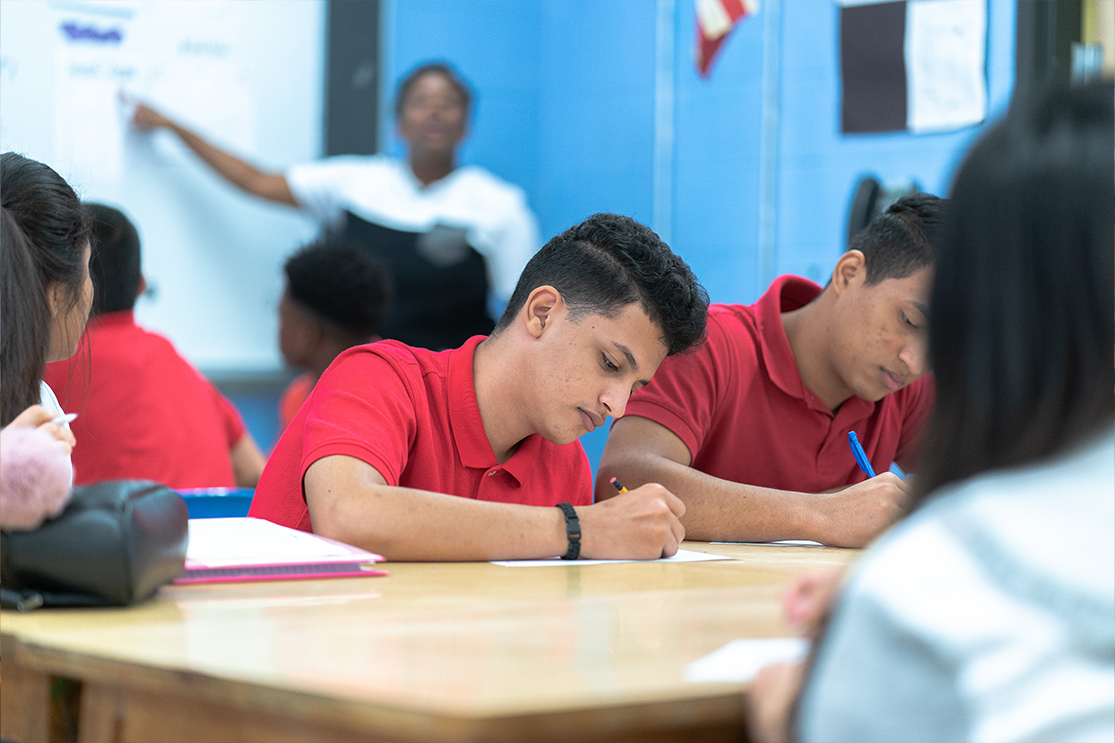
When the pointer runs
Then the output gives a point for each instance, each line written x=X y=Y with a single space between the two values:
x=786 y=294
x=468 y=427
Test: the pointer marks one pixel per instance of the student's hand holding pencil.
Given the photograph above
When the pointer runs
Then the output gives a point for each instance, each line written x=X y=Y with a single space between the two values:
x=37 y=416
x=642 y=524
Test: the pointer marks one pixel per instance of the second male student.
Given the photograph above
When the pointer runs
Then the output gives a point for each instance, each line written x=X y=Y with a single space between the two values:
x=144 y=412
x=751 y=432
x=465 y=454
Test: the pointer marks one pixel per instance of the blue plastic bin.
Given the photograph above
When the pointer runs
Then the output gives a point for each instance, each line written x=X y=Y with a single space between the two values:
x=212 y=503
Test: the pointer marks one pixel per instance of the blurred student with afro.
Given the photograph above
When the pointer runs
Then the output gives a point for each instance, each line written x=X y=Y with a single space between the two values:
x=336 y=295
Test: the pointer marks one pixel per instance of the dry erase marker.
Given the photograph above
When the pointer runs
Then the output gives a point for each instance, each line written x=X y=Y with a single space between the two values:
x=861 y=457
x=618 y=485
x=63 y=419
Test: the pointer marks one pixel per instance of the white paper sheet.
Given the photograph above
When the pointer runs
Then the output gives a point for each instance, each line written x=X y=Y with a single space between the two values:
x=740 y=660
x=781 y=543
x=681 y=556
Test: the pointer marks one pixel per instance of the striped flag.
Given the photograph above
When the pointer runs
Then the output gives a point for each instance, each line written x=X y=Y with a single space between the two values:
x=715 y=20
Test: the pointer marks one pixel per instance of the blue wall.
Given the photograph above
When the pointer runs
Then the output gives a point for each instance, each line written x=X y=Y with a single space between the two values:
x=596 y=111
x=567 y=109
x=819 y=166
x=715 y=224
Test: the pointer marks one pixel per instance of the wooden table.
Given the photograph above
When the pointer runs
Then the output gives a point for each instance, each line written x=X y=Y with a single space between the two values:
x=434 y=652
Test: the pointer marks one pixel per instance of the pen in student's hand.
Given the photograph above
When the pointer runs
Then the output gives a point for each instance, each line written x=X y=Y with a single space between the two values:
x=861 y=458
x=63 y=419
x=618 y=485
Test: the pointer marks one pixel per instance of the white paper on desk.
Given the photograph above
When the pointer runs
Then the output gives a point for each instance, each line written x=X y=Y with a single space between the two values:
x=252 y=541
x=740 y=660
x=781 y=543
x=681 y=556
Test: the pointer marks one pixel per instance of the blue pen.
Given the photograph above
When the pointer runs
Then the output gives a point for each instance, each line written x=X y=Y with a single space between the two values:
x=858 y=453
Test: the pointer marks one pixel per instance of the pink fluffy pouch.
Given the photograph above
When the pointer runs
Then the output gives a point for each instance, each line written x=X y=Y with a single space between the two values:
x=36 y=478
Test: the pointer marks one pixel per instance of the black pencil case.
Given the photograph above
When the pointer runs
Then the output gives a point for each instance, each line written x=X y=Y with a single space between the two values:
x=114 y=544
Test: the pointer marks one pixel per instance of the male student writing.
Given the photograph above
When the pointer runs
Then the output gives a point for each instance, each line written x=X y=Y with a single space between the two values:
x=420 y=455
x=751 y=432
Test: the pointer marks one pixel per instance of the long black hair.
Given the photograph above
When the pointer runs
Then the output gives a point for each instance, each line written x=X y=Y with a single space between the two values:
x=41 y=207
x=26 y=337
x=1022 y=319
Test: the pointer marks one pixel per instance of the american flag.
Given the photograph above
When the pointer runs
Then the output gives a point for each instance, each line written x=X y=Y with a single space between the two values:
x=715 y=19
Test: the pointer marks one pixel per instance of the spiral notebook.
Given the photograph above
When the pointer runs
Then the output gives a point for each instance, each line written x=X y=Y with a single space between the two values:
x=225 y=550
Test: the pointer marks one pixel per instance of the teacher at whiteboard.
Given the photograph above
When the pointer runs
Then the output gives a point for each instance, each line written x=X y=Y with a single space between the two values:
x=455 y=238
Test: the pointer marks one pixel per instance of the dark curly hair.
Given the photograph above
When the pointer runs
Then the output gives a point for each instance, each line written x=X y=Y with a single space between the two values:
x=432 y=68
x=901 y=241
x=342 y=283
x=609 y=262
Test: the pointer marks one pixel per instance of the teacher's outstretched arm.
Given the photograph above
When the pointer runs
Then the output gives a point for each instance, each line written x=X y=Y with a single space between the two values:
x=243 y=175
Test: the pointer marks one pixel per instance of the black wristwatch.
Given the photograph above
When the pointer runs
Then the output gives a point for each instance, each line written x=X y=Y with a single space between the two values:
x=572 y=530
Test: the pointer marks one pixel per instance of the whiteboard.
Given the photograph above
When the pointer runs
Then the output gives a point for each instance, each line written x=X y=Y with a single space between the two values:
x=248 y=76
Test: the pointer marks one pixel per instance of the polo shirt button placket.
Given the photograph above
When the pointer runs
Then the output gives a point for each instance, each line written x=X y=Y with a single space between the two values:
x=486 y=483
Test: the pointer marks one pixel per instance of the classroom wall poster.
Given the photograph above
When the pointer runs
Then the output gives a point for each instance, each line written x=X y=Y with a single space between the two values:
x=913 y=65
x=946 y=51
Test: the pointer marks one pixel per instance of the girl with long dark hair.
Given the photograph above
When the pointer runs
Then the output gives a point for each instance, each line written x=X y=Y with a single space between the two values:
x=46 y=288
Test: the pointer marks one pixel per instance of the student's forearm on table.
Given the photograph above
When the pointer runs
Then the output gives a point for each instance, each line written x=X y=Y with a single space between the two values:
x=720 y=510
x=414 y=525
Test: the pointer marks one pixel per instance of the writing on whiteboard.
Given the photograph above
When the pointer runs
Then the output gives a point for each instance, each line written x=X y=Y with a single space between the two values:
x=209 y=48
x=75 y=31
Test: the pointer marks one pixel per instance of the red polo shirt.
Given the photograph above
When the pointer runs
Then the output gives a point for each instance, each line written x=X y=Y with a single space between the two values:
x=741 y=408
x=412 y=414
x=144 y=412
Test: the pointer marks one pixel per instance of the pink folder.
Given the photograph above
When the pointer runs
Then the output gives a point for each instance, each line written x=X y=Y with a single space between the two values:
x=250 y=549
